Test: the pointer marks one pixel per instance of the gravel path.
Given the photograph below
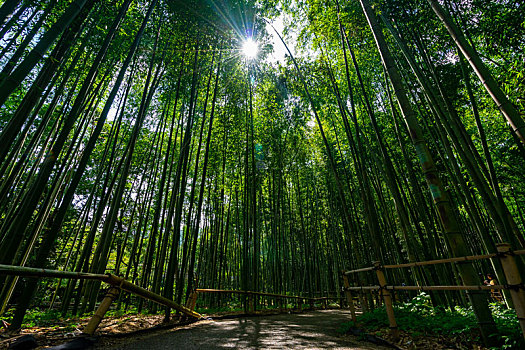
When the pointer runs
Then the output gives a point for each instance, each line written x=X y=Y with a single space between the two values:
x=308 y=330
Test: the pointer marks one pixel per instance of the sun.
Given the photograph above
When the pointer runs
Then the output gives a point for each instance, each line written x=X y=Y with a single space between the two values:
x=250 y=48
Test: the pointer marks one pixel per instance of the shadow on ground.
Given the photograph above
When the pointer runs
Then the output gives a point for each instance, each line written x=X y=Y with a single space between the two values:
x=309 y=330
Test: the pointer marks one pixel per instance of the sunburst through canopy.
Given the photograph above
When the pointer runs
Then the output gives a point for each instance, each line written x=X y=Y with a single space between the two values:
x=250 y=48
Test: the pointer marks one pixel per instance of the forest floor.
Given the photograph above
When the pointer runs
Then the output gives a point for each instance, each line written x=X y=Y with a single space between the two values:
x=266 y=330
x=307 y=330
x=320 y=329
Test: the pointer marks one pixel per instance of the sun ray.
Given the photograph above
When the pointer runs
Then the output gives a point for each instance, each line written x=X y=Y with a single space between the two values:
x=250 y=48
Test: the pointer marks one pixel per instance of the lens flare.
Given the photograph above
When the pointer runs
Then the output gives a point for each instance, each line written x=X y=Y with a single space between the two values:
x=250 y=48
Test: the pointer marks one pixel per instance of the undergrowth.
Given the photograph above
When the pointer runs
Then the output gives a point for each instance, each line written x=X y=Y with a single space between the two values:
x=419 y=317
x=43 y=317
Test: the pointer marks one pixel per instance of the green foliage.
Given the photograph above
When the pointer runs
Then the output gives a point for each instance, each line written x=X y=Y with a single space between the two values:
x=418 y=316
x=41 y=318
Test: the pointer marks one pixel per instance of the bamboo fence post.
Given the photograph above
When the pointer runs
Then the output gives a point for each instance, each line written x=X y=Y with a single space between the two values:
x=192 y=300
x=365 y=302
x=95 y=320
x=387 y=299
x=514 y=281
x=349 y=298
x=324 y=303
x=251 y=305
x=362 y=300
x=300 y=305
x=280 y=303
x=312 y=305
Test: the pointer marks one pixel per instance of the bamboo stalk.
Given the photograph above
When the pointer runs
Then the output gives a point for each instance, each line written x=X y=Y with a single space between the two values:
x=515 y=282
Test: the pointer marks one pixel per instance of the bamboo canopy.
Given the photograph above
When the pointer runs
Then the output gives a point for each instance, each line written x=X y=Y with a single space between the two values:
x=161 y=146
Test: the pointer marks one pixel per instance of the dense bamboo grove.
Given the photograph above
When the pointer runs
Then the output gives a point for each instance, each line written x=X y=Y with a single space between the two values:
x=136 y=139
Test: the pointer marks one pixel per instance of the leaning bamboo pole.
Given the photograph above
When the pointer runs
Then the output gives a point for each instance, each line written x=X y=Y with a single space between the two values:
x=505 y=106
x=11 y=270
x=108 y=278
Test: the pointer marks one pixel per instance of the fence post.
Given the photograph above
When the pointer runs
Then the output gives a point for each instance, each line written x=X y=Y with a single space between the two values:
x=300 y=305
x=192 y=300
x=362 y=299
x=251 y=304
x=388 y=300
x=349 y=298
x=514 y=281
x=95 y=320
x=312 y=305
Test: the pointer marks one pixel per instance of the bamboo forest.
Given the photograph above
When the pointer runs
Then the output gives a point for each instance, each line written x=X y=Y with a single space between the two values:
x=181 y=158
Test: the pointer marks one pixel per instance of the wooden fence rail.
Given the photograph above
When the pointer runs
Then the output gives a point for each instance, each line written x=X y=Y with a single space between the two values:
x=424 y=288
x=435 y=262
x=193 y=297
x=117 y=283
x=510 y=269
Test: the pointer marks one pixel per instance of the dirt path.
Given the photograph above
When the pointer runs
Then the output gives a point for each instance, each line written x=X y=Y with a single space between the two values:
x=308 y=330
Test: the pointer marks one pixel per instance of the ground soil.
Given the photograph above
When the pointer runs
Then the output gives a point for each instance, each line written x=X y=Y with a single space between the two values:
x=307 y=330
x=266 y=330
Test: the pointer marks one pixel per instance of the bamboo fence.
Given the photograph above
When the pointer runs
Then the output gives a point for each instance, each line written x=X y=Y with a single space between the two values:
x=505 y=254
x=117 y=284
x=193 y=297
